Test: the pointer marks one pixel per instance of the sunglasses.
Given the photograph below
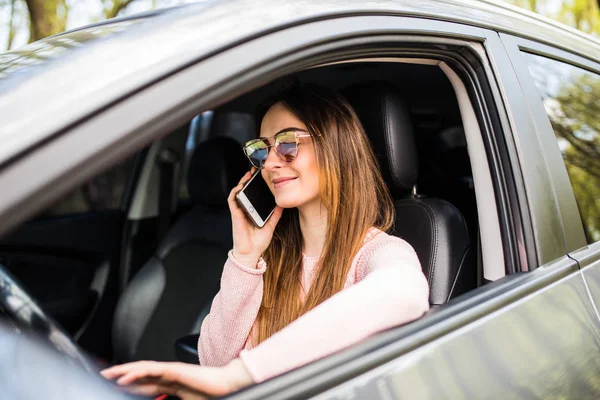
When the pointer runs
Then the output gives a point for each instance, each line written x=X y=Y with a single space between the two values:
x=285 y=144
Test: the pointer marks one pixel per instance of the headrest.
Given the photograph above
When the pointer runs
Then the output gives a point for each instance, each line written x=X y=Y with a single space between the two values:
x=238 y=125
x=386 y=120
x=217 y=165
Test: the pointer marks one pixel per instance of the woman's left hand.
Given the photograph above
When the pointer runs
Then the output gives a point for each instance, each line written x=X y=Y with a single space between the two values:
x=187 y=381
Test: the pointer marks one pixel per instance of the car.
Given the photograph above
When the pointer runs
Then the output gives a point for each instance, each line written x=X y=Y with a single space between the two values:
x=120 y=141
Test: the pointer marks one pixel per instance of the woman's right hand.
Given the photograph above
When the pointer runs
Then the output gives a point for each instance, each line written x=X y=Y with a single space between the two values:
x=249 y=241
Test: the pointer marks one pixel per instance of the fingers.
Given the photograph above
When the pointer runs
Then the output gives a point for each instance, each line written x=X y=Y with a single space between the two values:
x=246 y=176
x=150 y=390
x=136 y=375
x=242 y=181
x=116 y=371
x=187 y=381
x=151 y=378
x=238 y=187
x=160 y=389
x=130 y=372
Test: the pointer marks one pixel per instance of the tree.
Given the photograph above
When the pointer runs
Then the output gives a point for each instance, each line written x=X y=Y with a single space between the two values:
x=581 y=14
x=112 y=8
x=570 y=95
x=11 y=24
x=49 y=17
x=575 y=120
x=46 y=18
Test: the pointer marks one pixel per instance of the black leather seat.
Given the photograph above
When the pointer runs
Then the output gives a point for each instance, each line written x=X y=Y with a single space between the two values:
x=164 y=299
x=434 y=227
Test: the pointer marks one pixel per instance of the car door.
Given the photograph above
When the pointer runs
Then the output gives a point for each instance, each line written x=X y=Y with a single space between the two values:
x=68 y=256
x=530 y=334
x=504 y=338
x=565 y=93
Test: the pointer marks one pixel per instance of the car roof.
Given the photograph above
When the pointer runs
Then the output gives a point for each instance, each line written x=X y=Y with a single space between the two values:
x=134 y=52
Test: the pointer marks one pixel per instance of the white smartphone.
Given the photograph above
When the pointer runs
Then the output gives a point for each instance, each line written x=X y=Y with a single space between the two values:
x=256 y=200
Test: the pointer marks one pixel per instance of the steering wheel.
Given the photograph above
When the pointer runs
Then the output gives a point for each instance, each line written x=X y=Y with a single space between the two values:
x=21 y=308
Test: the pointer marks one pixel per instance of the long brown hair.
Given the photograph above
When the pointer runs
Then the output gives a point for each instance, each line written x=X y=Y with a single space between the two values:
x=353 y=193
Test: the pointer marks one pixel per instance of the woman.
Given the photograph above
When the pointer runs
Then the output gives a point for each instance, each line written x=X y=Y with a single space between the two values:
x=321 y=275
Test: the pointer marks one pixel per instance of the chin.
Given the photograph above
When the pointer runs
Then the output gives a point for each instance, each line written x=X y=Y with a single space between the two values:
x=289 y=200
x=293 y=200
x=287 y=203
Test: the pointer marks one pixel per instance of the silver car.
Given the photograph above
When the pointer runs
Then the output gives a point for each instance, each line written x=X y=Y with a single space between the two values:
x=120 y=140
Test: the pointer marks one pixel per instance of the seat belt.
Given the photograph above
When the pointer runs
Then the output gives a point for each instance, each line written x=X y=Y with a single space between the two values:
x=167 y=160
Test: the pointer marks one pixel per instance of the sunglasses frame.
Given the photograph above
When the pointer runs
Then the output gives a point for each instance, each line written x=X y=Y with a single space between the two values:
x=265 y=140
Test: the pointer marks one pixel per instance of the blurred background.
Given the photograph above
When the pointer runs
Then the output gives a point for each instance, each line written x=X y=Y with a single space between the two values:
x=25 y=21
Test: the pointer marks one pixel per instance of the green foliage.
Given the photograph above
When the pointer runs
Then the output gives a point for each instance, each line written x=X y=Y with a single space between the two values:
x=48 y=17
x=579 y=126
x=571 y=97
x=113 y=7
x=581 y=14
x=45 y=18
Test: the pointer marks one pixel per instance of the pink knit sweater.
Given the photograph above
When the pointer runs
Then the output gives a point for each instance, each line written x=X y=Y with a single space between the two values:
x=385 y=288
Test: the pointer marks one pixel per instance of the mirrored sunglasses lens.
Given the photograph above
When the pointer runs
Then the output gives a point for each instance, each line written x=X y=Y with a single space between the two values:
x=257 y=153
x=286 y=146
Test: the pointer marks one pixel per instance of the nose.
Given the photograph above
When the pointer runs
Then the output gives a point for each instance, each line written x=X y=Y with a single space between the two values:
x=272 y=162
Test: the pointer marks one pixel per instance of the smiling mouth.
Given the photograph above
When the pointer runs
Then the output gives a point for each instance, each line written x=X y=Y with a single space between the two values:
x=277 y=183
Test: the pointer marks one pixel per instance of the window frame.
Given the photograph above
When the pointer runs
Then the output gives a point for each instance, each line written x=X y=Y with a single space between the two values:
x=571 y=222
x=338 y=28
x=179 y=101
x=125 y=197
x=546 y=226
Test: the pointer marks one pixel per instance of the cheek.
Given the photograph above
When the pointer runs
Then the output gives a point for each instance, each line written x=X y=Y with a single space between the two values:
x=265 y=176
x=310 y=173
x=314 y=174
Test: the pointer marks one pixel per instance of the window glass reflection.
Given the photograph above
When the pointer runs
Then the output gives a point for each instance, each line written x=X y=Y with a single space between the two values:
x=571 y=97
x=36 y=53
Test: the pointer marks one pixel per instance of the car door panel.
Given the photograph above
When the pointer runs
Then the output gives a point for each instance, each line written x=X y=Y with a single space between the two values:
x=561 y=311
x=575 y=157
x=61 y=284
x=541 y=341
x=58 y=261
x=545 y=344
x=588 y=258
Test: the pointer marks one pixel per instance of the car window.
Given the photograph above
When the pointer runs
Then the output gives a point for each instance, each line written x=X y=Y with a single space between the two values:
x=198 y=132
x=571 y=97
x=104 y=192
x=237 y=125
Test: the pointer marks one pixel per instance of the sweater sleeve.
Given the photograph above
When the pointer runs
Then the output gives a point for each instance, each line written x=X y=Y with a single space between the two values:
x=232 y=314
x=394 y=291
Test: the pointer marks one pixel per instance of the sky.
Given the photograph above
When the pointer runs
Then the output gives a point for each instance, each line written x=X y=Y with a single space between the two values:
x=82 y=12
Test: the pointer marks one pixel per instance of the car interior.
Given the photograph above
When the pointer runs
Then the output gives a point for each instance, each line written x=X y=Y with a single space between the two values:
x=135 y=281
